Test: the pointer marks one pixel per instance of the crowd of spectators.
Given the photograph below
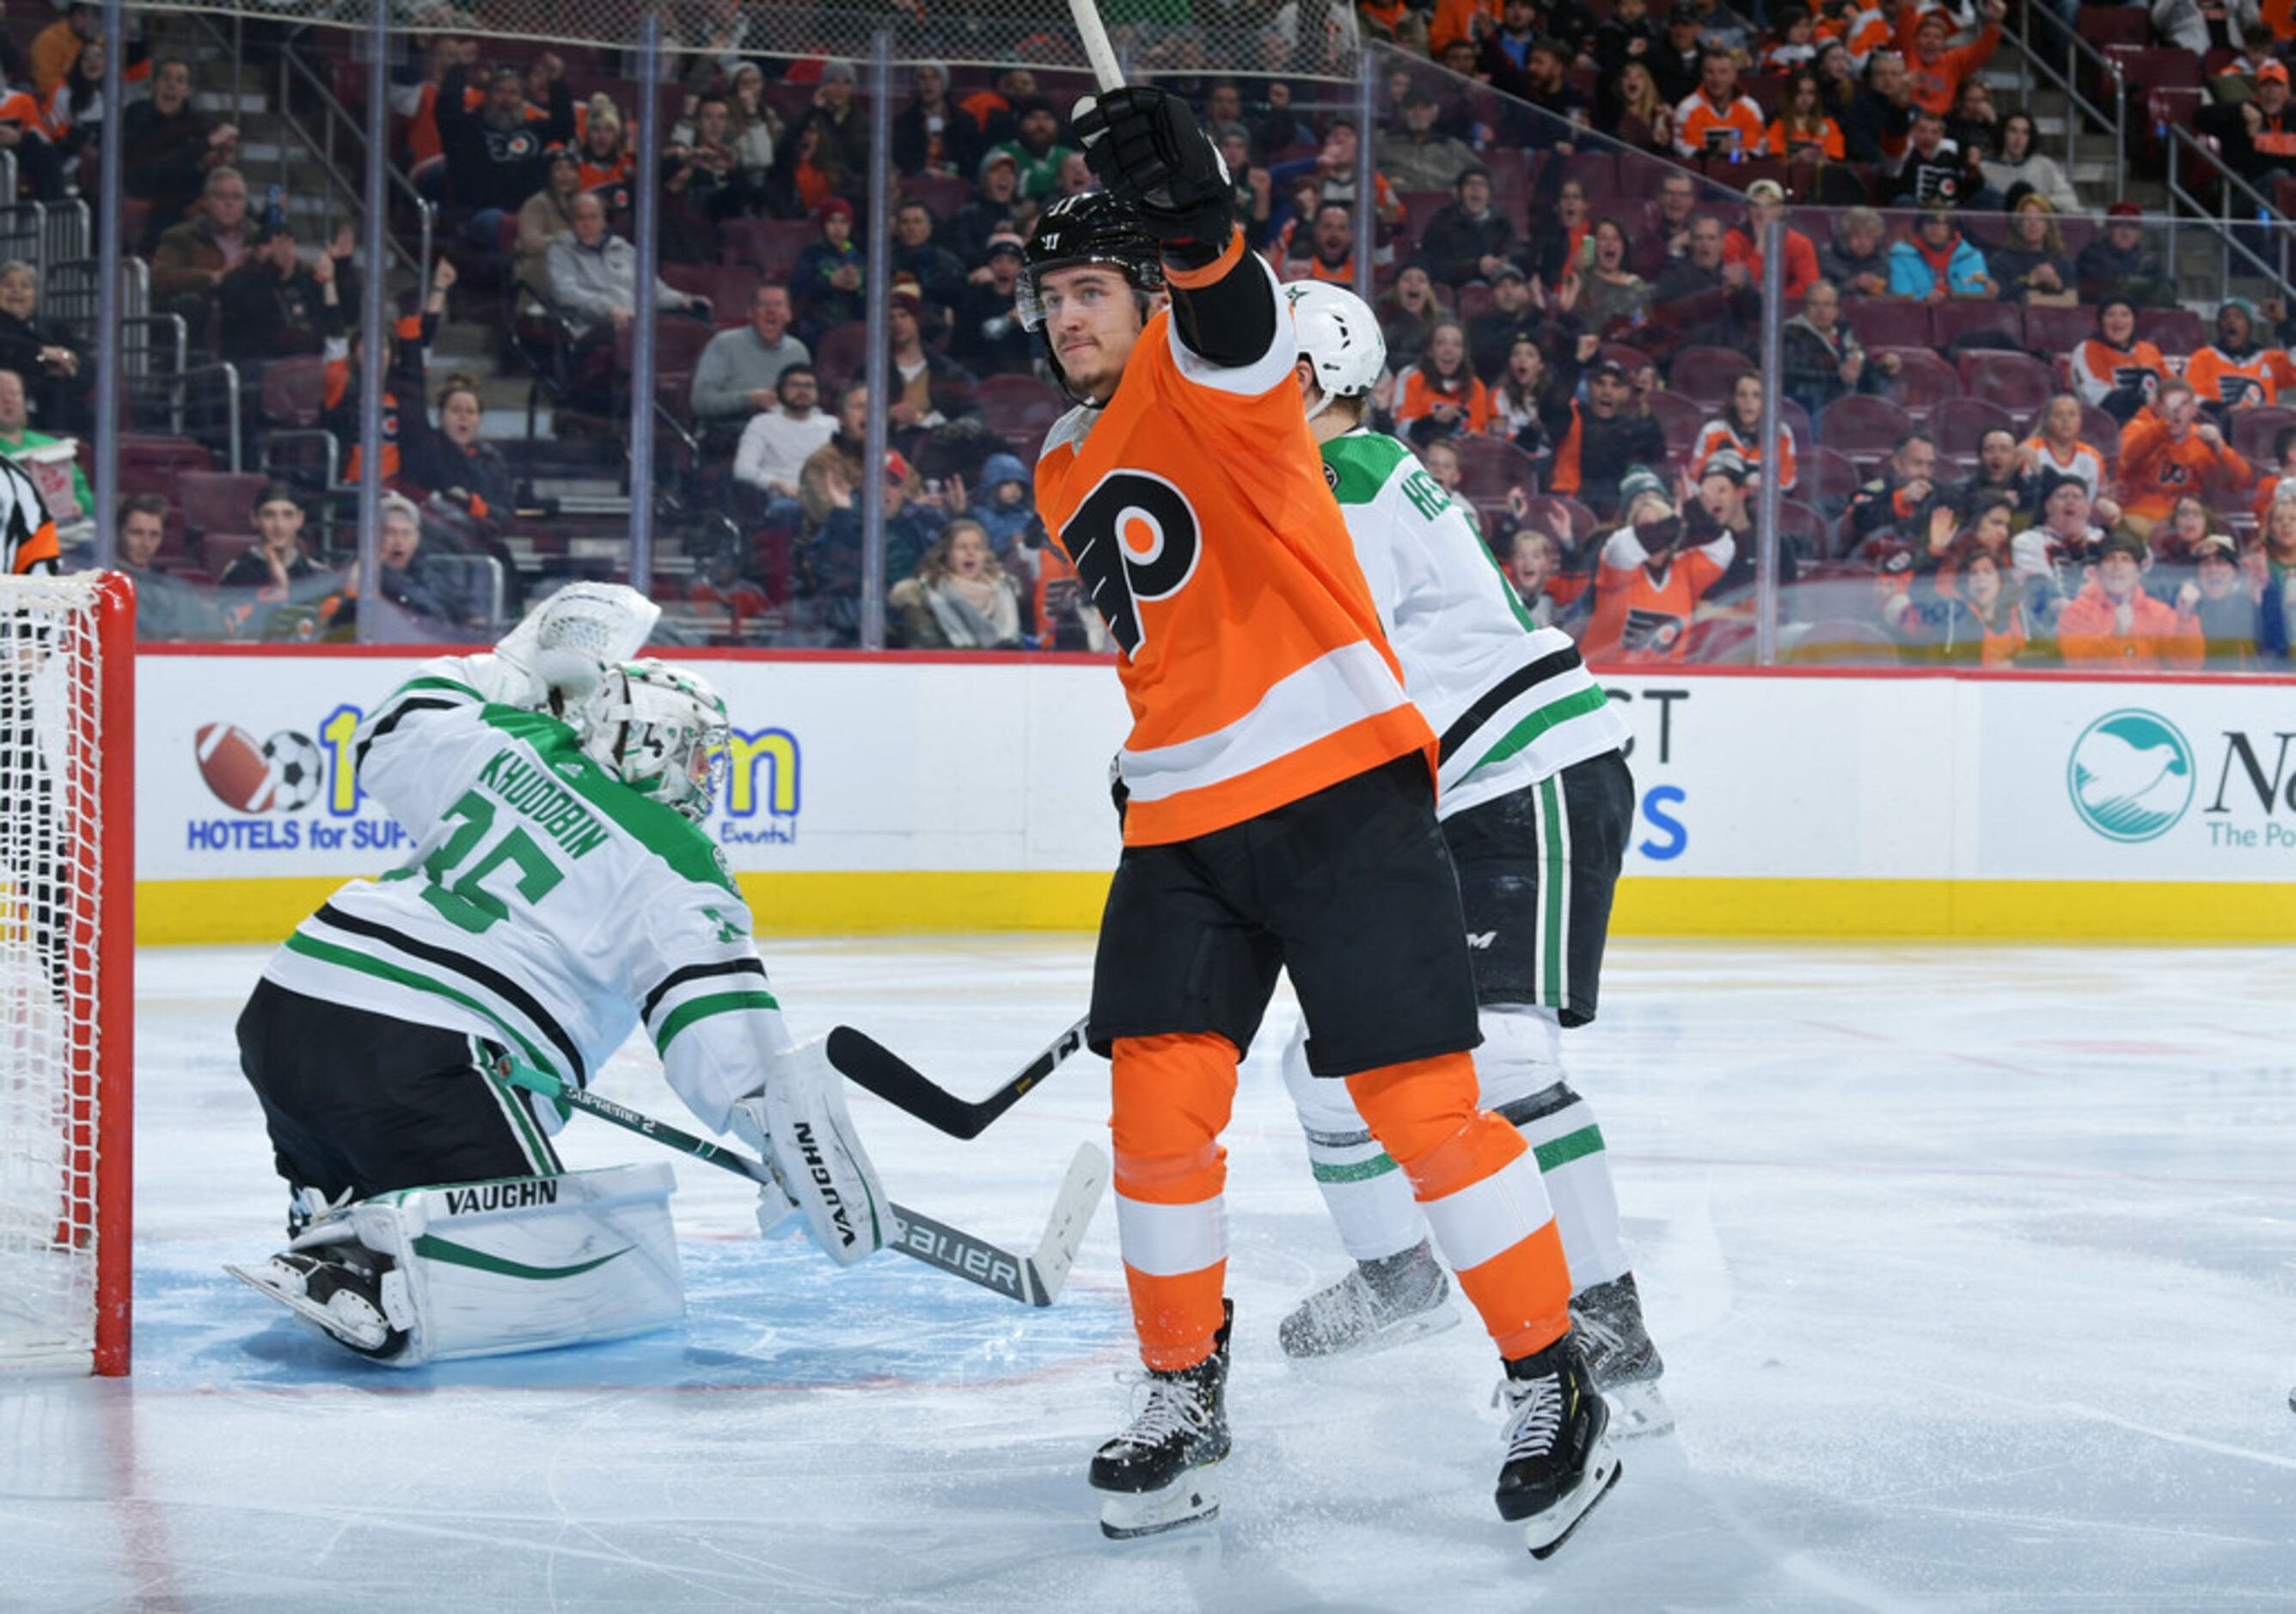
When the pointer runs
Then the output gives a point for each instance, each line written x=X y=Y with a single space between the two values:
x=1568 y=231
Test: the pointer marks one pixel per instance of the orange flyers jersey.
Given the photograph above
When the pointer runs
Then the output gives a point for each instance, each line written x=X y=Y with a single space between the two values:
x=1717 y=435
x=1825 y=142
x=1869 y=31
x=2084 y=462
x=2099 y=368
x=1701 y=127
x=2157 y=470
x=28 y=536
x=1640 y=617
x=1195 y=510
x=2239 y=383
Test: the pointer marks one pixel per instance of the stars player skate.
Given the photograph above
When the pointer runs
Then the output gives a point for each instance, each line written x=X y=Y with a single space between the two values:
x=561 y=891
x=1280 y=816
x=1536 y=804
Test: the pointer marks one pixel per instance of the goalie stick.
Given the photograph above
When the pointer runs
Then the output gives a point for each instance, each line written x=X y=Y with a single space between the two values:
x=1032 y=1279
x=868 y=1064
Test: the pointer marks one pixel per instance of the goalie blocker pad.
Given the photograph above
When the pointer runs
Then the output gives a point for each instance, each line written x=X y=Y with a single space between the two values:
x=521 y=1264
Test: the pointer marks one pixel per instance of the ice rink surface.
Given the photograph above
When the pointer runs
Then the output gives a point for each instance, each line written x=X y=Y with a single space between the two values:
x=1972 y=1268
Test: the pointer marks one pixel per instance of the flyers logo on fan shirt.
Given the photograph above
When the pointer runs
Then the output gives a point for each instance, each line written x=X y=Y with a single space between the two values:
x=1195 y=511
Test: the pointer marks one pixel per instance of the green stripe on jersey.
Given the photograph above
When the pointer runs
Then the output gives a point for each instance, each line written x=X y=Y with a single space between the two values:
x=1359 y=464
x=1378 y=1166
x=1537 y=722
x=1553 y=927
x=677 y=841
x=702 y=1008
x=327 y=953
x=1570 y=1146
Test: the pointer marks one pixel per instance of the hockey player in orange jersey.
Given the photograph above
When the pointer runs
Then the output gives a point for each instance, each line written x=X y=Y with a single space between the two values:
x=1279 y=814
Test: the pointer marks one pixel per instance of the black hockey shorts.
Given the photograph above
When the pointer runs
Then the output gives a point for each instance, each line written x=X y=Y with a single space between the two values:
x=359 y=1101
x=1537 y=871
x=1350 y=889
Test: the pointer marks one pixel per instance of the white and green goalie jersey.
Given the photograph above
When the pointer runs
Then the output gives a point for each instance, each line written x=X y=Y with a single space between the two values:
x=1509 y=701
x=547 y=906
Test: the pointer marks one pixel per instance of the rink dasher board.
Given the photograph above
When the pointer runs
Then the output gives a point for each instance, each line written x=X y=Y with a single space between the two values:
x=951 y=792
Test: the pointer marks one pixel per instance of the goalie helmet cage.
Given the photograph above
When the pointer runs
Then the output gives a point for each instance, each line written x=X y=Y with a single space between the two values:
x=66 y=969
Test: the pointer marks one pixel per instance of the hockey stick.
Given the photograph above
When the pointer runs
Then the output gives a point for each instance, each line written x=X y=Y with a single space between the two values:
x=866 y=1062
x=1098 y=53
x=1032 y=1279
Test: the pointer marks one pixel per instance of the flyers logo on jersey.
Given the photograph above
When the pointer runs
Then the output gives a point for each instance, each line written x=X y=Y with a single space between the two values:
x=1134 y=537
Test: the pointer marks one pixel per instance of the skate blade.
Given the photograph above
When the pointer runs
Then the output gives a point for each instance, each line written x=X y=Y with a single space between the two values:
x=1128 y=1515
x=1638 y=1412
x=318 y=1315
x=1403 y=1330
x=1546 y=1533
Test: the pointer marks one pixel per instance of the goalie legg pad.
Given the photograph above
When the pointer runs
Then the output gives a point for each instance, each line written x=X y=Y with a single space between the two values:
x=800 y=1124
x=487 y=1269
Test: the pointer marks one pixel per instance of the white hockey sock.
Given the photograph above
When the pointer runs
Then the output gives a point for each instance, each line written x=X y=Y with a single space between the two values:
x=1368 y=1195
x=1520 y=1072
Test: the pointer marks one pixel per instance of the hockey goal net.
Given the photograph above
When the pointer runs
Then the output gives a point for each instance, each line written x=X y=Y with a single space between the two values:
x=67 y=940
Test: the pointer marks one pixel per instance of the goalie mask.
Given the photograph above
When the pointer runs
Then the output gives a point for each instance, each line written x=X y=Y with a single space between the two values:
x=661 y=731
x=1091 y=228
x=1339 y=336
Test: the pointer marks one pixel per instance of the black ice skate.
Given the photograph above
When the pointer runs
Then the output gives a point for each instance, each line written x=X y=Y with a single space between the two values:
x=337 y=1289
x=1559 y=1464
x=1153 y=1472
x=1620 y=1354
x=1380 y=1304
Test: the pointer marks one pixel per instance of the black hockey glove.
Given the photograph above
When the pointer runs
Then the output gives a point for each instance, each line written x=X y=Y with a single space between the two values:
x=1145 y=147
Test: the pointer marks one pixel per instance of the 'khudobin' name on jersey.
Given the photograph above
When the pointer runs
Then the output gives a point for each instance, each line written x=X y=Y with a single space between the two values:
x=529 y=788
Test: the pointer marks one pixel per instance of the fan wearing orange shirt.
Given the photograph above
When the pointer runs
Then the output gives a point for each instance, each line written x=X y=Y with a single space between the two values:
x=1935 y=73
x=1442 y=396
x=2236 y=371
x=2167 y=451
x=1278 y=806
x=2113 y=625
x=1714 y=117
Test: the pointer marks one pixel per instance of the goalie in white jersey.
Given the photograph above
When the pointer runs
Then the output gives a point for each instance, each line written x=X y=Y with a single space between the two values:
x=561 y=891
x=1536 y=804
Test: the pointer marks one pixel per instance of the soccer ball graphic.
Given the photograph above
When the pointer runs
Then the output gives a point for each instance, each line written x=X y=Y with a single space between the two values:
x=296 y=770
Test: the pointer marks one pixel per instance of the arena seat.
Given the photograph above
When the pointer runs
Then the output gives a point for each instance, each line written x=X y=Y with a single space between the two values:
x=1883 y=321
x=1796 y=419
x=1582 y=519
x=1828 y=477
x=2107 y=25
x=770 y=246
x=837 y=356
x=1708 y=373
x=727 y=286
x=1862 y=428
x=1923 y=381
x=219 y=501
x=295 y=391
x=1960 y=423
x=2253 y=430
x=152 y=463
x=1804 y=528
x=2054 y=329
x=2017 y=381
x=1950 y=321
x=1490 y=466
x=2176 y=331
x=942 y=193
x=1680 y=417
x=677 y=345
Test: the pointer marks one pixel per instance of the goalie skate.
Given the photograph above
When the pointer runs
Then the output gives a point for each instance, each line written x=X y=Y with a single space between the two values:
x=1380 y=1304
x=348 y=1305
x=1152 y=1474
x=1559 y=1463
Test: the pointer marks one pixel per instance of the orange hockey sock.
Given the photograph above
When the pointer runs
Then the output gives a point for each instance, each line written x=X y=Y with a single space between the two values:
x=1473 y=1176
x=1172 y=1096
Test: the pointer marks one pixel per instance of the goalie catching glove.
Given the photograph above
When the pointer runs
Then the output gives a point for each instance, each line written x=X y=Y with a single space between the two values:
x=801 y=1126
x=1145 y=147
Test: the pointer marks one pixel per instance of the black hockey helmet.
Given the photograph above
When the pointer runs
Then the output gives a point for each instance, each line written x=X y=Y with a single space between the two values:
x=1092 y=228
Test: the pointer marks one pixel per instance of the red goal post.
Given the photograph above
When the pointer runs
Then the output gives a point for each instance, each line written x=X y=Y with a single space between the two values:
x=67 y=970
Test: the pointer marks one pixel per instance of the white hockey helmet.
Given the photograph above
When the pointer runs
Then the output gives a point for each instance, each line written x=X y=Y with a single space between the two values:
x=1338 y=335
x=661 y=731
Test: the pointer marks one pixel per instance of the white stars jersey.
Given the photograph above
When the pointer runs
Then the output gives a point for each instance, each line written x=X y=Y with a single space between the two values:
x=547 y=906
x=1509 y=701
